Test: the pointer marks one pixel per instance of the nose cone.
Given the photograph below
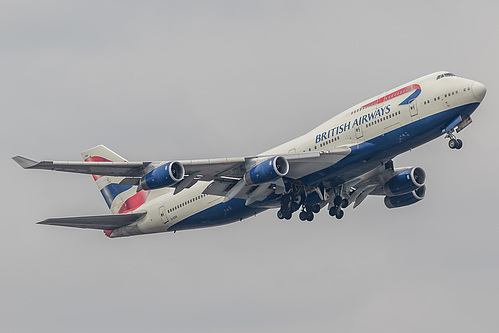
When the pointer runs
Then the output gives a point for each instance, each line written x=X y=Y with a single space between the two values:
x=478 y=90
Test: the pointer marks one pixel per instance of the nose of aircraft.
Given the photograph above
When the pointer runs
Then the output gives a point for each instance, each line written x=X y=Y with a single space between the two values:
x=478 y=90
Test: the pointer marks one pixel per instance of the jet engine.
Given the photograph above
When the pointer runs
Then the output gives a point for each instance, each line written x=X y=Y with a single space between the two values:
x=405 y=182
x=406 y=199
x=267 y=171
x=164 y=175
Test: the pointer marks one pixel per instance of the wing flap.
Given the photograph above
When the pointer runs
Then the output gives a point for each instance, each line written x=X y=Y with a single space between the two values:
x=213 y=168
x=100 y=222
x=301 y=165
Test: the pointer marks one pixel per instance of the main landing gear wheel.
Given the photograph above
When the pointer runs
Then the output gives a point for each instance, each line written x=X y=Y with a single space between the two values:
x=284 y=215
x=333 y=210
x=337 y=201
x=306 y=216
x=310 y=217
x=337 y=211
x=289 y=204
x=344 y=203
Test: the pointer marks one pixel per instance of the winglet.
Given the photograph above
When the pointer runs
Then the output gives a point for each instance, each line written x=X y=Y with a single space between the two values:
x=26 y=163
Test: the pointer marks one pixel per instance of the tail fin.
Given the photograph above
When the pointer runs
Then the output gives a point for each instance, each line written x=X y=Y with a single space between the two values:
x=119 y=198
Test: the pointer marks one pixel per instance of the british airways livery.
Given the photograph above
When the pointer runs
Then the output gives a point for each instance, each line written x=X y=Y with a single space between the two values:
x=336 y=165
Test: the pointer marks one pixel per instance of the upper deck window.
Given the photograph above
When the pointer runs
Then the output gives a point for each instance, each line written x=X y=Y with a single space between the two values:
x=444 y=75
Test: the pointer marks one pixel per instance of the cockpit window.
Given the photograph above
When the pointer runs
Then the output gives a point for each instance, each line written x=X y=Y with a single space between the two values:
x=444 y=75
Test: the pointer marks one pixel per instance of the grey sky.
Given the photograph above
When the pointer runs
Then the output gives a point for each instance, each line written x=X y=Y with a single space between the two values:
x=193 y=79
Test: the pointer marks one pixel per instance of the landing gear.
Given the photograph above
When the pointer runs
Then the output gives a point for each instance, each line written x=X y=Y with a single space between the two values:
x=344 y=203
x=454 y=143
x=307 y=214
x=293 y=200
x=284 y=215
x=314 y=209
x=336 y=210
x=289 y=204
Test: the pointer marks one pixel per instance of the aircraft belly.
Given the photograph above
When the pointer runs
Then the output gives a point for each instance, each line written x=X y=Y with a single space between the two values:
x=222 y=213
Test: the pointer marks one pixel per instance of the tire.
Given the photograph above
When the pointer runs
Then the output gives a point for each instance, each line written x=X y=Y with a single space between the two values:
x=303 y=216
x=316 y=208
x=339 y=214
x=333 y=210
x=310 y=217
x=337 y=201
x=280 y=215
x=344 y=203
x=459 y=144
x=453 y=143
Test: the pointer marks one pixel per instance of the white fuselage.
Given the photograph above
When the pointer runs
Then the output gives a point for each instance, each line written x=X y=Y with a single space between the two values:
x=377 y=120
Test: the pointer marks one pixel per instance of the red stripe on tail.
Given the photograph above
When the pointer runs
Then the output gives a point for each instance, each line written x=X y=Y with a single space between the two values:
x=134 y=202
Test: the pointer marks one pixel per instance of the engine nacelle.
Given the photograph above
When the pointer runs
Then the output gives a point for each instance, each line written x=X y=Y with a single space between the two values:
x=267 y=171
x=165 y=175
x=406 y=199
x=405 y=182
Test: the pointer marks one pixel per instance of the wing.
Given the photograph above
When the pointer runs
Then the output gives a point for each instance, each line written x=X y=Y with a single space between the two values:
x=124 y=169
x=301 y=164
x=225 y=172
x=101 y=222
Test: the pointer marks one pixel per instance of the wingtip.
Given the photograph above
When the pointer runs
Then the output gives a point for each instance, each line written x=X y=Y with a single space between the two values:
x=24 y=162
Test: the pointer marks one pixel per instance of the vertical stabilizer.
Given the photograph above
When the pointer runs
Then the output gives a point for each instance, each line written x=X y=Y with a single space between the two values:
x=119 y=198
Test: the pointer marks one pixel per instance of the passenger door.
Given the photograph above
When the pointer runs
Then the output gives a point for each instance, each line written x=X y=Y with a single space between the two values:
x=358 y=132
x=413 y=108
x=162 y=214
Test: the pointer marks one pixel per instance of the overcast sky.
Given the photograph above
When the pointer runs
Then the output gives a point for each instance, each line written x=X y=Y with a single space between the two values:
x=160 y=80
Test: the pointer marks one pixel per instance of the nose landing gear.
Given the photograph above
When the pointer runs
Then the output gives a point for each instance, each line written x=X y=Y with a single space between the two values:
x=454 y=143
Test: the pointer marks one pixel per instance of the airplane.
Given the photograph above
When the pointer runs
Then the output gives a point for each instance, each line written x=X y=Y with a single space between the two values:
x=337 y=164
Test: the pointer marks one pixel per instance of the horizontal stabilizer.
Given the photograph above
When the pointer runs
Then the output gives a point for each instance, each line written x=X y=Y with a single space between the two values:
x=26 y=163
x=100 y=222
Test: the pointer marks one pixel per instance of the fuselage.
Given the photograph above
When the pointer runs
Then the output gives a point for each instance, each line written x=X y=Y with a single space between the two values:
x=376 y=130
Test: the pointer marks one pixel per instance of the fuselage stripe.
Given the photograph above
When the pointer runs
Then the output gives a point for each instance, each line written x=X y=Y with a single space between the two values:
x=400 y=92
